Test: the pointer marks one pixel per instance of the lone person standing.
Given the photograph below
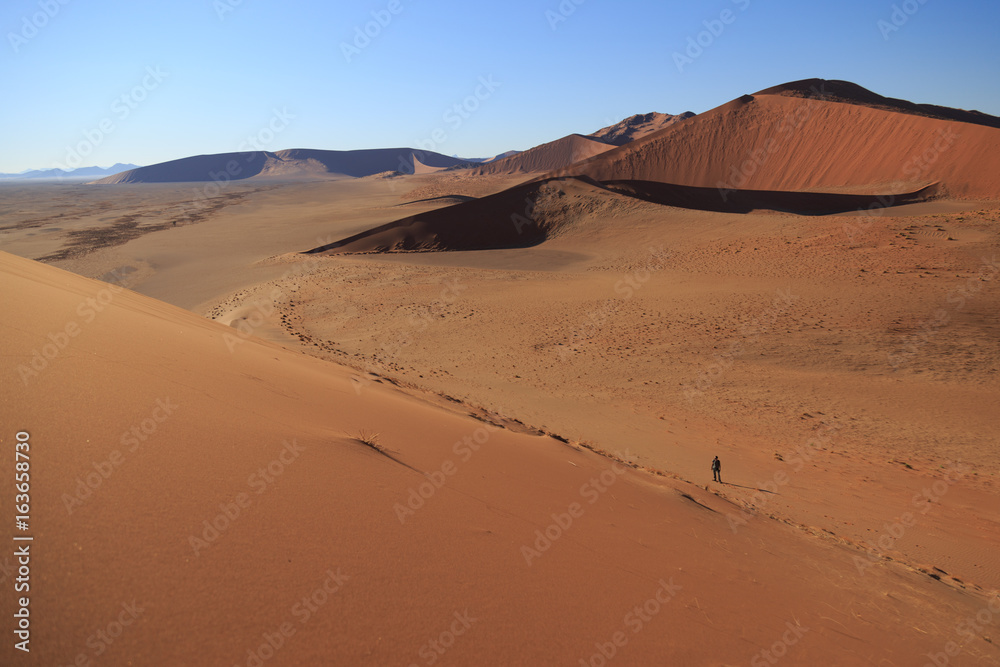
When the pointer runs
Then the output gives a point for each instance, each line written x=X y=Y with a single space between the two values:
x=717 y=470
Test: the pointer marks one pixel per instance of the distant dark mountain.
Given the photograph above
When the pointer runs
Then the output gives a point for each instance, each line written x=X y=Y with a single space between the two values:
x=292 y=164
x=99 y=171
x=82 y=172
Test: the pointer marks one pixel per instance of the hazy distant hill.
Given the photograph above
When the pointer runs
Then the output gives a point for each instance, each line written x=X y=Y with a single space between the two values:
x=82 y=172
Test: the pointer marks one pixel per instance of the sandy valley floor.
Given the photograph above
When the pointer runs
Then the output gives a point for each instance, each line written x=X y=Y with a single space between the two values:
x=845 y=368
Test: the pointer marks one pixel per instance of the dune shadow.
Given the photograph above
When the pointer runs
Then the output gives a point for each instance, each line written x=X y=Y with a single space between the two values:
x=721 y=200
x=498 y=221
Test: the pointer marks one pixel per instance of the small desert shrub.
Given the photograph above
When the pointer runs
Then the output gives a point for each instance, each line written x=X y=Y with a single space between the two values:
x=369 y=438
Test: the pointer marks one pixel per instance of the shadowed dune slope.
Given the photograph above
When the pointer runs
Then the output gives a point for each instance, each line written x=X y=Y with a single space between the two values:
x=247 y=521
x=522 y=216
x=745 y=201
x=547 y=157
x=290 y=164
x=785 y=142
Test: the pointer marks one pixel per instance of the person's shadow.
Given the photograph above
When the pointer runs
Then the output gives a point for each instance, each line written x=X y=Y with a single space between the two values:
x=752 y=488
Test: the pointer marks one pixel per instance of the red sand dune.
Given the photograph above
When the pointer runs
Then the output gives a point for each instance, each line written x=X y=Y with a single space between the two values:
x=852 y=93
x=780 y=150
x=786 y=142
x=292 y=163
x=637 y=127
x=249 y=526
x=547 y=157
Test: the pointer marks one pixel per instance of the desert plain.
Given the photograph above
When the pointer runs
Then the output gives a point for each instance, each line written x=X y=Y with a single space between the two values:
x=465 y=414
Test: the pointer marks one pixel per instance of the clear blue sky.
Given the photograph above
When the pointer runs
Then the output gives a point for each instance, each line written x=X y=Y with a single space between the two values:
x=225 y=66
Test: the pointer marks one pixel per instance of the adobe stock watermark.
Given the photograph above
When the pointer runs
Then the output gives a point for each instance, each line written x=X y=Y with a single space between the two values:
x=784 y=130
x=797 y=461
x=302 y=611
x=562 y=13
x=435 y=648
x=258 y=482
x=364 y=35
x=900 y=16
x=634 y=621
x=58 y=341
x=131 y=441
x=254 y=143
x=921 y=504
x=914 y=169
x=911 y=344
x=697 y=44
x=429 y=313
x=31 y=25
x=278 y=122
x=264 y=309
x=223 y=7
x=970 y=628
x=121 y=108
x=779 y=649
x=750 y=332
x=417 y=323
x=591 y=491
x=464 y=449
x=104 y=637
x=453 y=117
x=625 y=289
x=520 y=219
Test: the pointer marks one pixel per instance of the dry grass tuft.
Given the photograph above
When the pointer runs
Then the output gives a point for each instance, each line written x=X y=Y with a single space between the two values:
x=369 y=438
